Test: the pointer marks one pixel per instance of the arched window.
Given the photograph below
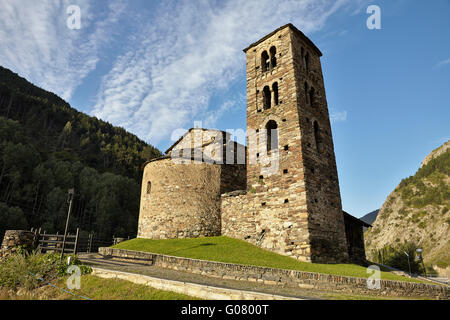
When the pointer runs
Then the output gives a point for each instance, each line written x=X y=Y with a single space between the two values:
x=275 y=93
x=265 y=61
x=149 y=188
x=307 y=61
x=272 y=135
x=317 y=137
x=273 y=57
x=306 y=93
x=312 y=92
x=267 y=97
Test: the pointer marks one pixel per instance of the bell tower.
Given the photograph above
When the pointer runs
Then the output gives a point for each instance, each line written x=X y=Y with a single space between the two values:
x=292 y=174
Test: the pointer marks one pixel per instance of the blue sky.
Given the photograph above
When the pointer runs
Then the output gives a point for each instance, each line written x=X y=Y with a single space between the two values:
x=156 y=66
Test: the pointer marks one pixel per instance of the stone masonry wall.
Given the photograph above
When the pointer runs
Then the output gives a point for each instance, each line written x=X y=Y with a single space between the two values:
x=276 y=226
x=182 y=202
x=325 y=215
x=13 y=239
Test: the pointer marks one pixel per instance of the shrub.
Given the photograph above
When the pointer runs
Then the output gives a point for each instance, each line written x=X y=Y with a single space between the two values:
x=29 y=270
x=394 y=256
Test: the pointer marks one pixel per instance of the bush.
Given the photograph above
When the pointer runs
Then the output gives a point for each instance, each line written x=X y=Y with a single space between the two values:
x=394 y=256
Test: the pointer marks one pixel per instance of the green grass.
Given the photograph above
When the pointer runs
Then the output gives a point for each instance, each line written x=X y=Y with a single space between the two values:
x=96 y=288
x=115 y=289
x=228 y=250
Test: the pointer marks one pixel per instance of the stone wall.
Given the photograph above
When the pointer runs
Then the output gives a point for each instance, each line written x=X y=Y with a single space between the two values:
x=290 y=278
x=265 y=220
x=191 y=289
x=13 y=239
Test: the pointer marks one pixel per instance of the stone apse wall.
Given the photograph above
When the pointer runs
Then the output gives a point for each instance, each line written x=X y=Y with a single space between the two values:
x=182 y=200
x=296 y=211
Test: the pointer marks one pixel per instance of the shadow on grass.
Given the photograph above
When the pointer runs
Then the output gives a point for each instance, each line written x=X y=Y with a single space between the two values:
x=193 y=247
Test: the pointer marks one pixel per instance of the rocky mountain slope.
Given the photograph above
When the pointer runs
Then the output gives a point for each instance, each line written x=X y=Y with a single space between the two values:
x=418 y=211
x=370 y=217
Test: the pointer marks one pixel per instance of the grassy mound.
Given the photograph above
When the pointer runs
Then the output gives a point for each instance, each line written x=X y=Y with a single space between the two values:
x=228 y=250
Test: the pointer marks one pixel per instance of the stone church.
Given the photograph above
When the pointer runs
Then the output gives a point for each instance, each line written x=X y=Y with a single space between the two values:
x=209 y=189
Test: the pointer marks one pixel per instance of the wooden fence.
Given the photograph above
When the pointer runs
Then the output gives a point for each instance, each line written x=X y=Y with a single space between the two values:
x=56 y=242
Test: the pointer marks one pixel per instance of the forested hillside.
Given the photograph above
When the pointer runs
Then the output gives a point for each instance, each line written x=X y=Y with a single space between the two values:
x=47 y=147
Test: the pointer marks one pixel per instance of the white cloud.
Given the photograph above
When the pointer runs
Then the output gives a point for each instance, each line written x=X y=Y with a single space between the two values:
x=37 y=44
x=338 y=116
x=442 y=63
x=190 y=52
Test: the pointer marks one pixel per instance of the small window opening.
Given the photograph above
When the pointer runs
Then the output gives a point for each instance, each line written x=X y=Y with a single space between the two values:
x=265 y=61
x=303 y=57
x=306 y=93
x=267 y=98
x=311 y=96
x=272 y=135
x=273 y=58
x=307 y=60
x=275 y=93
x=317 y=136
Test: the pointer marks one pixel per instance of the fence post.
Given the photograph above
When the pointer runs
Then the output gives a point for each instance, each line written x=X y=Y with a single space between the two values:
x=90 y=243
x=75 y=248
x=70 y=202
x=35 y=239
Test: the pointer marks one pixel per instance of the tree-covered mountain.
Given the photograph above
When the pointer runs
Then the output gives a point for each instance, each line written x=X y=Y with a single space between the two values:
x=418 y=212
x=58 y=130
x=47 y=147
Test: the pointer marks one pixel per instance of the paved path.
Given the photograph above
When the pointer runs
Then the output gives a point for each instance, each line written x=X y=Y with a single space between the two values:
x=96 y=260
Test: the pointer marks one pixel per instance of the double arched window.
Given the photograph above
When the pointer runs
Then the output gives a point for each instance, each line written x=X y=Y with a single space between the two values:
x=267 y=96
x=269 y=62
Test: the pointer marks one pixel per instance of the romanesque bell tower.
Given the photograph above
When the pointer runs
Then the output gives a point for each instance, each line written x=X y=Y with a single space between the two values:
x=297 y=207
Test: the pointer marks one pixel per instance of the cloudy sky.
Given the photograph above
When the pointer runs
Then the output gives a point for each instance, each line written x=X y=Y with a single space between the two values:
x=153 y=67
